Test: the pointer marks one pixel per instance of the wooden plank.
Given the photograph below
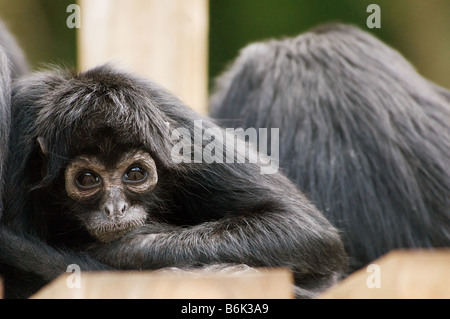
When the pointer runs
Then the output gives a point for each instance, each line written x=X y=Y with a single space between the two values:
x=166 y=41
x=421 y=274
x=262 y=284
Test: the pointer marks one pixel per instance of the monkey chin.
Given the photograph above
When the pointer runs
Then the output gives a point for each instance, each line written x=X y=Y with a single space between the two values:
x=110 y=232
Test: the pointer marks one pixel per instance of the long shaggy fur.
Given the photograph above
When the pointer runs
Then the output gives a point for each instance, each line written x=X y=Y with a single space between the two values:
x=12 y=65
x=206 y=213
x=361 y=133
x=5 y=114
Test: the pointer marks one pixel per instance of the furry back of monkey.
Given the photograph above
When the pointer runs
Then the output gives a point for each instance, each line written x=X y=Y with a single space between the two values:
x=361 y=133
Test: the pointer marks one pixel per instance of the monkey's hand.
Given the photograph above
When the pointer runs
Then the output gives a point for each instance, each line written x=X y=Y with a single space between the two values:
x=116 y=253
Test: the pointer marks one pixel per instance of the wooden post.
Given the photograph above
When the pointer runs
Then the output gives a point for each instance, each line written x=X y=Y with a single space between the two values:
x=165 y=41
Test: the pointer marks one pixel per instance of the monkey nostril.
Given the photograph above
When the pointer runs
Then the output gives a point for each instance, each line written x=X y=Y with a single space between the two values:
x=107 y=211
x=122 y=210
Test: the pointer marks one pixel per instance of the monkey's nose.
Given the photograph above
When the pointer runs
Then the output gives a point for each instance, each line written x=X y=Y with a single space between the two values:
x=117 y=210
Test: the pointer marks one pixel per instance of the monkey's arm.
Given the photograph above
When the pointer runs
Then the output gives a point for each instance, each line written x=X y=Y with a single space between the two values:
x=35 y=258
x=271 y=239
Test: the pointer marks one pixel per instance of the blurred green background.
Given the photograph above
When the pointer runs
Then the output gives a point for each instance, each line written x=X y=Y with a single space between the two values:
x=419 y=29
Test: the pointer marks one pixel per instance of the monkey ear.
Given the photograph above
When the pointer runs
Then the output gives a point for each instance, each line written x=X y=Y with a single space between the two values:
x=42 y=144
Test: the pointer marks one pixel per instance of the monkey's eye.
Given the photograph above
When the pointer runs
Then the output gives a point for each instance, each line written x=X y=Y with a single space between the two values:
x=87 y=180
x=135 y=174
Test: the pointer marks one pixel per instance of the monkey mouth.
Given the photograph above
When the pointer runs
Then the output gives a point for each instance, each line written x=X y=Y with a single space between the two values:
x=111 y=231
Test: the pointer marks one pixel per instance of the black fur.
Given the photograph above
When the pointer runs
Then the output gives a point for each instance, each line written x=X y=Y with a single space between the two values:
x=12 y=65
x=10 y=68
x=5 y=114
x=361 y=133
x=213 y=213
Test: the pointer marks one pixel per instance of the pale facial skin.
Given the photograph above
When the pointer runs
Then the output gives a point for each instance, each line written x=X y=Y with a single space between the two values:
x=86 y=177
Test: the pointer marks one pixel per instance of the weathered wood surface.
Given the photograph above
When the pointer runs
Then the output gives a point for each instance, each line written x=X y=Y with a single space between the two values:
x=414 y=274
x=401 y=274
x=273 y=284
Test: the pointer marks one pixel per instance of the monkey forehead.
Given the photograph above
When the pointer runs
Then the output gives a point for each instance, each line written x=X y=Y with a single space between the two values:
x=124 y=159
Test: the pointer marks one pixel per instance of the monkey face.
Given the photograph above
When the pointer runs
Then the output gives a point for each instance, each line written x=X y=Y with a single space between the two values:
x=88 y=180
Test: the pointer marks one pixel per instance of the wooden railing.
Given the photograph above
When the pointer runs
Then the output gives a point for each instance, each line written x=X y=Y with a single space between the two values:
x=400 y=274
